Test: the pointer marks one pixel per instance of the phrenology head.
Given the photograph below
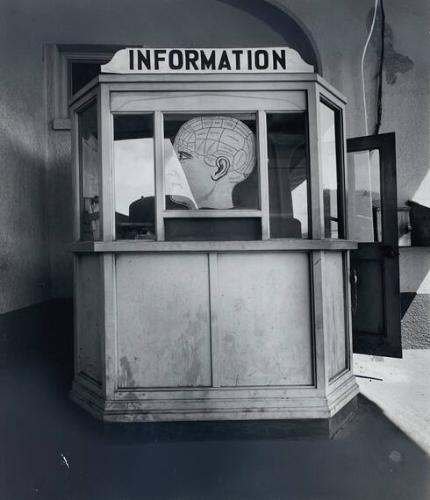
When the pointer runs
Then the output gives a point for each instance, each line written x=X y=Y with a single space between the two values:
x=225 y=145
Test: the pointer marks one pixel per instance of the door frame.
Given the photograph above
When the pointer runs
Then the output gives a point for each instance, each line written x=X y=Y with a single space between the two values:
x=388 y=344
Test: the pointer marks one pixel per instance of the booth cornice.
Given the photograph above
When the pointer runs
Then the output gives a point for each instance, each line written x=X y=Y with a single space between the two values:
x=177 y=80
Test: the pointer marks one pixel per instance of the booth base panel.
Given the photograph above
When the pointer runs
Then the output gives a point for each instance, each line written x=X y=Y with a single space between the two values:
x=144 y=406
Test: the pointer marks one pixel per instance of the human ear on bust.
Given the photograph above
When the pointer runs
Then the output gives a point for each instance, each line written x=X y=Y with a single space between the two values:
x=222 y=167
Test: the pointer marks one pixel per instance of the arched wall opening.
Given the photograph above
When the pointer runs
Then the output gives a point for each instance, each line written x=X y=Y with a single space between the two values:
x=154 y=23
x=284 y=23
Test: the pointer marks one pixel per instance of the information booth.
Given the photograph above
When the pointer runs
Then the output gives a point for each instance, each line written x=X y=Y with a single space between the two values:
x=212 y=254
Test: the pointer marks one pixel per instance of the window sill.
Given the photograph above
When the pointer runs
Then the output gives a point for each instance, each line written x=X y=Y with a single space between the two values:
x=61 y=124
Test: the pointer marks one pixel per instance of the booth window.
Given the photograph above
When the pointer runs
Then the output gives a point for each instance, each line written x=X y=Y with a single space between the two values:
x=134 y=176
x=210 y=161
x=288 y=175
x=210 y=164
x=332 y=179
x=211 y=188
x=89 y=173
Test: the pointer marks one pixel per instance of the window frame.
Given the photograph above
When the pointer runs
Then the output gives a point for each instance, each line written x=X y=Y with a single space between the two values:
x=82 y=110
x=263 y=213
x=307 y=134
x=77 y=171
x=339 y=125
x=152 y=87
x=59 y=58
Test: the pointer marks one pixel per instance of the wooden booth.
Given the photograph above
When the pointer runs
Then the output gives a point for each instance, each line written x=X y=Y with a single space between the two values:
x=212 y=252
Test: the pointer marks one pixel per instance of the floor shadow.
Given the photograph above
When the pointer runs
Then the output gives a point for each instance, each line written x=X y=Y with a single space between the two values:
x=406 y=300
x=52 y=449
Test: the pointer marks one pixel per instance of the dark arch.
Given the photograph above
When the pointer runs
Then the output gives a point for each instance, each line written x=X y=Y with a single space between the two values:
x=286 y=24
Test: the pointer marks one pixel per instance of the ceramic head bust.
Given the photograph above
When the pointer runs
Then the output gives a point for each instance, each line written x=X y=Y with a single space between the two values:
x=216 y=154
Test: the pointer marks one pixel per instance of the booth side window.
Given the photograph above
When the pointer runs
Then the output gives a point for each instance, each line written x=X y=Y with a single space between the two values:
x=332 y=179
x=89 y=173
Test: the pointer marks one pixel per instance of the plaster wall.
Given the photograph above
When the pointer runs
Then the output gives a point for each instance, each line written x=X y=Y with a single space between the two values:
x=24 y=249
x=36 y=160
x=35 y=191
x=340 y=33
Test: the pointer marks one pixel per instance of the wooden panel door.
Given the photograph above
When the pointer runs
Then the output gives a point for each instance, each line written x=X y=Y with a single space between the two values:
x=375 y=292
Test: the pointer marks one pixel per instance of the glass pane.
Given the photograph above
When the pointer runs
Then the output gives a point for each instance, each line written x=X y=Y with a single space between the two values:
x=367 y=195
x=89 y=173
x=81 y=73
x=210 y=161
x=134 y=177
x=288 y=175
x=330 y=179
x=368 y=310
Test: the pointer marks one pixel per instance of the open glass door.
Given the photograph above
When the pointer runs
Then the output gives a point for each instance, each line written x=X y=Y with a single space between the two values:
x=375 y=293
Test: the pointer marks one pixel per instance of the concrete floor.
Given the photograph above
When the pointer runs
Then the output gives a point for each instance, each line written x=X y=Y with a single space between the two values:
x=401 y=389
x=51 y=449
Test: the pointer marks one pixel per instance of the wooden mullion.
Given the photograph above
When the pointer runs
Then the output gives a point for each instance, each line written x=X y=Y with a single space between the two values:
x=159 y=174
x=317 y=211
x=263 y=166
x=211 y=214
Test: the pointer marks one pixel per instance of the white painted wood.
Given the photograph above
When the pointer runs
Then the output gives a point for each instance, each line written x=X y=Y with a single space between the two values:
x=264 y=321
x=331 y=94
x=76 y=166
x=144 y=60
x=197 y=101
x=208 y=86
x=317 y=213
x=334 y=313
x=339 y=106
x=349 y=191
x=213 y=404
x=211 y=82
x=88 y=296
x=320 y=358
x=163 y=321
x=287 y=244
x=215 y=311
x=286 y=79
x=211 y=214
x=159 y=174
x=164 y=83
x=107 y=175
x=84 y=99
x=348 y=311
x=108 y=313
x=350 y=199
x=212 y=330
x=263 y=164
